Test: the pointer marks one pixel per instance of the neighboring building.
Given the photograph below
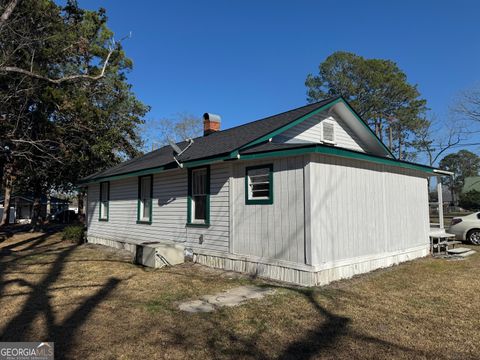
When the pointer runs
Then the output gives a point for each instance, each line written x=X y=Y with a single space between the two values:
x=471 y=183
x=307 y=196
x=21 y=207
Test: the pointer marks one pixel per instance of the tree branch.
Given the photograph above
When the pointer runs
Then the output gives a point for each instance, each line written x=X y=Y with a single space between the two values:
x=14 y=69
x=8 y=11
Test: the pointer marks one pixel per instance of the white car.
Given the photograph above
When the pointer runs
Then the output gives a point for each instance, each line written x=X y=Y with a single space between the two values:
x=466 y=228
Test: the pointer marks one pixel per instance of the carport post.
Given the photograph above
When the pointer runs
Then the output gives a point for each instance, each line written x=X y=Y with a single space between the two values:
x=440 y=201
x=440 y=194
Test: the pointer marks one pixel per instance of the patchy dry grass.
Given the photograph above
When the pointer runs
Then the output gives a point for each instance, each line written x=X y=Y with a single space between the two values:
x=94 y=303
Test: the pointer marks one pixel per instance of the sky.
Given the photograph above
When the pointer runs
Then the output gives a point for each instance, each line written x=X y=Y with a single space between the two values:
x=249 y=59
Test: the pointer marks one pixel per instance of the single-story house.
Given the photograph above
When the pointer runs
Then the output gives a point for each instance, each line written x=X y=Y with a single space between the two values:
x=21 y=207
x=307 y=196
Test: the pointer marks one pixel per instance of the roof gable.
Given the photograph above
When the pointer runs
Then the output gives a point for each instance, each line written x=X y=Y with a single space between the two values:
x=342 y=109
x=311 y=131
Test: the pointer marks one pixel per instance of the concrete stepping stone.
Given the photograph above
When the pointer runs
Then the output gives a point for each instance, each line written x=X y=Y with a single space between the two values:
x=458 y=250
x=229 y=298
x=196 y=306
x=463 y=252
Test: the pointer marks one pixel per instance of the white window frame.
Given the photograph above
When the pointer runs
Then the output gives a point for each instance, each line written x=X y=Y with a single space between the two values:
x=145 y=201
x=193 y=193
x=104 y=207
x=257 y=200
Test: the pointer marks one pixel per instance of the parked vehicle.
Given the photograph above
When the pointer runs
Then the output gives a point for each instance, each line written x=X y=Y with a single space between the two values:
x=466 y=228
x=64 y=216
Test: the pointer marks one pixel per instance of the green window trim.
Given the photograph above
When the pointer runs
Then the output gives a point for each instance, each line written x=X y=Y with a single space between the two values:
x=189 y=199
x=139 y=201
x=100 y=218
x=268 y=201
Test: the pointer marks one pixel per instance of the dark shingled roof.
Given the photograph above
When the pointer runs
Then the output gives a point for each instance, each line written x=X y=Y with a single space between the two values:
x=216 y=144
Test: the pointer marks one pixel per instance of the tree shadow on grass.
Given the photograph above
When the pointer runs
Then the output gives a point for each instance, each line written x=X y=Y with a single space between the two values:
x=33 y=243
x=327 y=335
x=322 y=341
x=38 y=304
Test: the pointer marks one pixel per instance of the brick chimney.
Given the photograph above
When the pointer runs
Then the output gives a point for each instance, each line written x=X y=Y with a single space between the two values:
x=211 y=123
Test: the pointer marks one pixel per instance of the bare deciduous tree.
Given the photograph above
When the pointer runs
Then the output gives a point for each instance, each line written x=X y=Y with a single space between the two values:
x=468 y=104
x=178 y=128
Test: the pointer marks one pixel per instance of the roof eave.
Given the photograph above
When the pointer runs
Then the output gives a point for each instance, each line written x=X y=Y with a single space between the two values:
x=340 y=152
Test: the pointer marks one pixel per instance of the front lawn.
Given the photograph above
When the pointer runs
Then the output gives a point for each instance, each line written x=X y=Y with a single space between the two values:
x=94 y=303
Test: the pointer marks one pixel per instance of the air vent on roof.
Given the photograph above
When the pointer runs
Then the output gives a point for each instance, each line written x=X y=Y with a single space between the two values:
x=328 y=132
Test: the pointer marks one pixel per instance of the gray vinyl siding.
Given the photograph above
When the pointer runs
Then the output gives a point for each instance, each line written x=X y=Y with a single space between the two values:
x=271 y=231
x=325 y=210
x=361 y=209
x=169 y=214
x=310 y=131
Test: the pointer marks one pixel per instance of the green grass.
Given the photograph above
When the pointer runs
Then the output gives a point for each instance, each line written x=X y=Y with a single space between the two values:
x=96 y=305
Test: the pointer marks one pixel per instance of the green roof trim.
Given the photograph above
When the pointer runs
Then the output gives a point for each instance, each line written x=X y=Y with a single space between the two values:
x=314 y=112
x=142 y=172
x=315 y=148
x=156 y=170
x=207 y=161
x=327 y=150
x=352 y=110
x=291 y=124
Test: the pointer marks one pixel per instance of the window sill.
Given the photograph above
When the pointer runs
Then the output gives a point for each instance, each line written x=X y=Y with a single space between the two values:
x=102 y=219
x=259 y=202
x=201 y=225
x=146 y=222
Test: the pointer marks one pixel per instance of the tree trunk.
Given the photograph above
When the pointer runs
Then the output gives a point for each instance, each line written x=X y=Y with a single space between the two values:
x=37 y=207
x=400 y=153
x=390 y=138
x=8 y=178
x=80 y=199
x=7 y=12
